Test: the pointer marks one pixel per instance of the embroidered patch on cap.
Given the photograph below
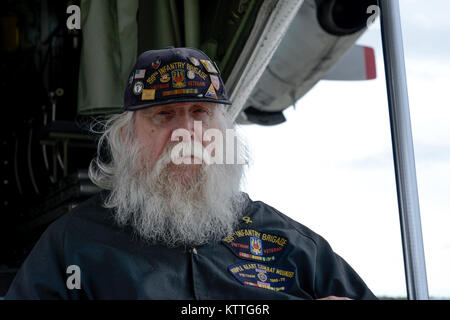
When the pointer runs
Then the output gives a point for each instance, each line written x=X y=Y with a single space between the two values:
x=263 y=276
x=191 y=74
x=179 y=91
x=178 y=78
x=139 y=74
x=148 y=94
x=194 y=61
x=211 y=93
x=209 y=66
x=215 y=81
x=138 y=87
x=160 y=86
x=196 y=83
x=164 y=78
x=253 y=245
x=156 y=63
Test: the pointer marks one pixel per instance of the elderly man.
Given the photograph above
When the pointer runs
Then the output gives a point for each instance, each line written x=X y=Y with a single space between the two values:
x=171 y=222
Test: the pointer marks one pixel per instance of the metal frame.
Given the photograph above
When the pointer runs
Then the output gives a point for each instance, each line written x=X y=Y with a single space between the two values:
x=403 y=151
x=272 y=22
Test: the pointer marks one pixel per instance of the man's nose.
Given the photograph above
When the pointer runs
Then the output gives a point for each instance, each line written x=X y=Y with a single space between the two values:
x=186 y=122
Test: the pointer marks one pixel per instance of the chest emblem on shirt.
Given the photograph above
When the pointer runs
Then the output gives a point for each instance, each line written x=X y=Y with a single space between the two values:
x=262 y=276
x=254 y=245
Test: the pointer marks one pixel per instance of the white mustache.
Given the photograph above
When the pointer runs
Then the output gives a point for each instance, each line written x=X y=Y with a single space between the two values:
x=183 y=152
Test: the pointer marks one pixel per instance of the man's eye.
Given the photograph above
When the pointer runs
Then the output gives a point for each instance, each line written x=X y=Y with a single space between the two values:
x=164 y=114
x=199 y=110
x=162 y=117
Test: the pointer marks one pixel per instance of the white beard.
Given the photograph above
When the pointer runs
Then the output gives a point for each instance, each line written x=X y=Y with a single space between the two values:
x=172 y=207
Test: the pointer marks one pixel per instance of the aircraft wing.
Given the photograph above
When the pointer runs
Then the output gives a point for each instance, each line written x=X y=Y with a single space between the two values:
x=312 y=49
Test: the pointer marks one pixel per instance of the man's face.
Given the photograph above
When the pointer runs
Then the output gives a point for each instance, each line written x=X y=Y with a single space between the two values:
x=155 y=125
x=175 y=204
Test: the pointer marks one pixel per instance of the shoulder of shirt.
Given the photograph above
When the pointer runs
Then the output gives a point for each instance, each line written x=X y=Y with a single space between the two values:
x=92 y=209
x=281 y=221
x=89 y=223
x=89 y=211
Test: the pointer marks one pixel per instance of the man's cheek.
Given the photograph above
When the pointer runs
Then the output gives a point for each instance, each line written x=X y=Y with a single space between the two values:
x=147 y=158
x=154 y=152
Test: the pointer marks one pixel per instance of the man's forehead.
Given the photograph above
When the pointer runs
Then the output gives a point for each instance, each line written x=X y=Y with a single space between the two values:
x=179 y=105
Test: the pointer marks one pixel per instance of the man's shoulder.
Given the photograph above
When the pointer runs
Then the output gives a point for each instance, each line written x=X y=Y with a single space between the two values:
x=268 y=217
x=92 y=210
x=87 y=213
x=90 y=223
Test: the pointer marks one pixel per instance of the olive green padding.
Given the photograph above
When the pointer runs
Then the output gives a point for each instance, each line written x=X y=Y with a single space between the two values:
x=109 y=51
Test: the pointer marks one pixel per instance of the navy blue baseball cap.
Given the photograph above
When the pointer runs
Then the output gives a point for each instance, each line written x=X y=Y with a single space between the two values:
x=173 y=75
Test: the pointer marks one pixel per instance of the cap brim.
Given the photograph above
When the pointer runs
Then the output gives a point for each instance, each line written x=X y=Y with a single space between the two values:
x=187 y=99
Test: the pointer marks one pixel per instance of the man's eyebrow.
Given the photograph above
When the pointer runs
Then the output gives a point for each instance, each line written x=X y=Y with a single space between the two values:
x=149 y=111
x=152 y=110
x=210 y=107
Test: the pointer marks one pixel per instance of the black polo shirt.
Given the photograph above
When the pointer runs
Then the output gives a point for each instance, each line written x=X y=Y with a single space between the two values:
x=269 y=256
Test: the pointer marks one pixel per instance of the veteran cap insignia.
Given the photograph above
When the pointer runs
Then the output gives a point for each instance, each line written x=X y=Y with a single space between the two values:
x=191 y=74
x=156 y=64
x=215 y=81
x=138 y=87
x=178 y=78
x=148 y=94
x=211 y=93
x=175 y=75
x=194 y=61
x=209 y=66
x=139 y=74
x=164 y=78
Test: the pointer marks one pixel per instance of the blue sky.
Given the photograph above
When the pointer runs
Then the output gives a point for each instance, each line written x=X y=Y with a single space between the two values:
x=330 y=166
